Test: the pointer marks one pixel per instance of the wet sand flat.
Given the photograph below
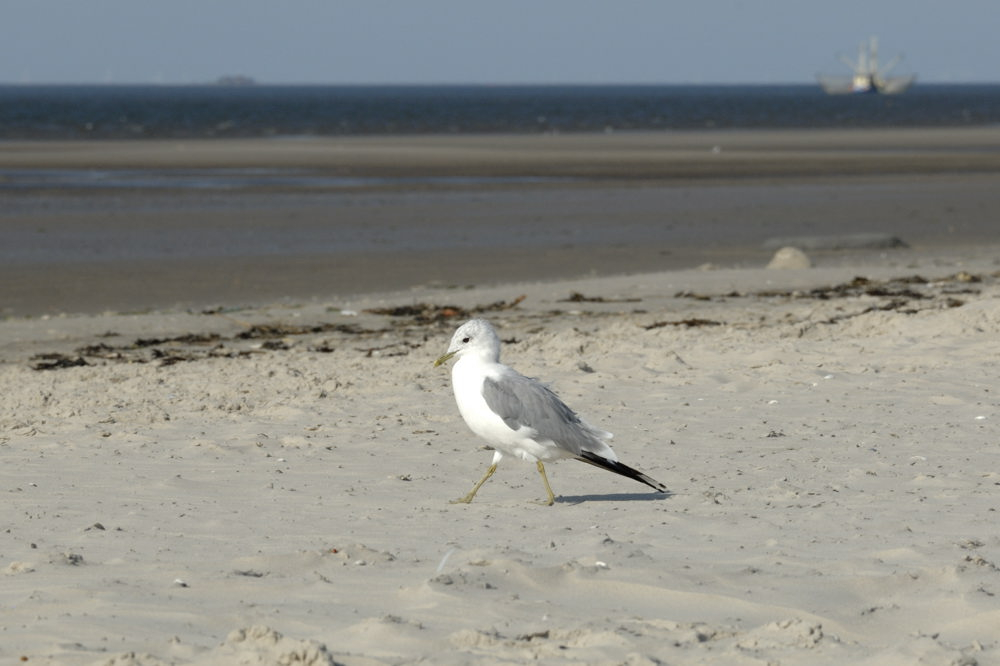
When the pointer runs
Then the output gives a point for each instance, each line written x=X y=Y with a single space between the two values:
x=633 y=155
x=391 y=212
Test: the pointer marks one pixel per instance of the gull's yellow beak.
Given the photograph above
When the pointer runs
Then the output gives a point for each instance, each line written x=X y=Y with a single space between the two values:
x=443 y=359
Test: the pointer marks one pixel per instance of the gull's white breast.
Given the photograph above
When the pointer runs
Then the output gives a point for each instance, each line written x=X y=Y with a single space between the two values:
x=467 y=376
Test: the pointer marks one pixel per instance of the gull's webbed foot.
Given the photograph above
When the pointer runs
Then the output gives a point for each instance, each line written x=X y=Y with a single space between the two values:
x=472 y=493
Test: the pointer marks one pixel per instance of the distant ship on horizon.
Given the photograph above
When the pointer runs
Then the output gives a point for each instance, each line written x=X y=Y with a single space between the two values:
x=867 y=76
x=235 y=80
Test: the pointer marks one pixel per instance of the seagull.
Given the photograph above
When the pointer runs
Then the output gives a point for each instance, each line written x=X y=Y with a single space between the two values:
x=519 y=416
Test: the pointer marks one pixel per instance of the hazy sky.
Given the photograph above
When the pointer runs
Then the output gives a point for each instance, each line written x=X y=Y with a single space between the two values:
x=489 y=41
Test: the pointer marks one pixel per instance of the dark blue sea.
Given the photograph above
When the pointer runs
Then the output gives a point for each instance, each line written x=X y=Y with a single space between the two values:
x=156 y=112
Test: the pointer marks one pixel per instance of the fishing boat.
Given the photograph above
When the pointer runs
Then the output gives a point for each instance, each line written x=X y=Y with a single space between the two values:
x=867 y=76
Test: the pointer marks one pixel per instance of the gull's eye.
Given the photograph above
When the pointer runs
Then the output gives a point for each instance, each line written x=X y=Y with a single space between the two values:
x=465 y=339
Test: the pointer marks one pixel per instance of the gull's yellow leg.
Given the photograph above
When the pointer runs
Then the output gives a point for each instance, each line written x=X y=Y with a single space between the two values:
x=545 y=480
x=472 y=493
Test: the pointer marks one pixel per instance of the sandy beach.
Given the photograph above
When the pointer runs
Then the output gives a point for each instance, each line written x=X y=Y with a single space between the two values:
x=201 y=483
x=265 y=478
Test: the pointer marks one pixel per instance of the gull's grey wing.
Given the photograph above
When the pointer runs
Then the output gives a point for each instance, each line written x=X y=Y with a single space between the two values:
x=521 y=401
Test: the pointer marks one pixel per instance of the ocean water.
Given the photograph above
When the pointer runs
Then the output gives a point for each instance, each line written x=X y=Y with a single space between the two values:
x=132 y=112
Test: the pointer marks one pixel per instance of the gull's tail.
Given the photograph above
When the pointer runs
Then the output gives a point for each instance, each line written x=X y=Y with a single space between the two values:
x=620 y=468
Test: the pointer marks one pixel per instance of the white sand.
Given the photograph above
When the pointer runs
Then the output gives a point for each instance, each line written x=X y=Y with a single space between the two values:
x=834 y=478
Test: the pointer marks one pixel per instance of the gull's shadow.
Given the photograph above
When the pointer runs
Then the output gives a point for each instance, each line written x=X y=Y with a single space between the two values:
x=615 y=497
